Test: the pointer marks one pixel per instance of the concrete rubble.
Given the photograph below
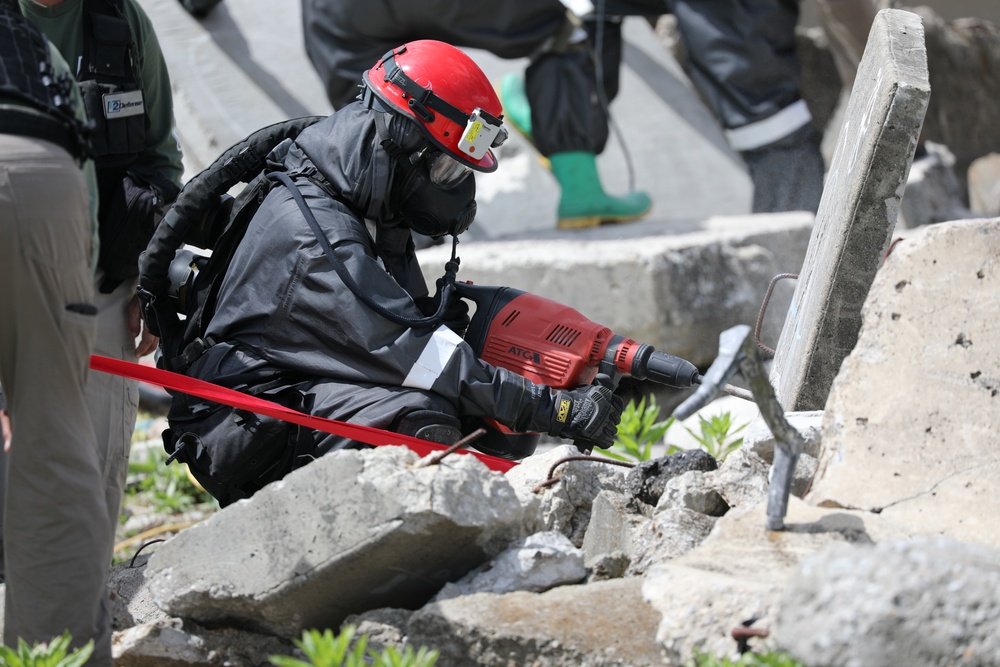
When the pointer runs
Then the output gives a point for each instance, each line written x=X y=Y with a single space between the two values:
x=909 y=473
x=594 y=564
x=579 y=562
x=582 y=562
x=369 y=526
x=906 y=476
x=929 y=327
x=929 y=601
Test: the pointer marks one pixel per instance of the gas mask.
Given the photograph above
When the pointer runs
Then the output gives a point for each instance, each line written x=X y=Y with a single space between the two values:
x=439 y=196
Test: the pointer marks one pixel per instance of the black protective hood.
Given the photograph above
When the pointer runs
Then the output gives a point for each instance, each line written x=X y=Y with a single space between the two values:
x=346 y=149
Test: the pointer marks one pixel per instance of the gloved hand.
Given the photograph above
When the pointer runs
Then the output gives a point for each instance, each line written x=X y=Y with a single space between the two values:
x=456 y=315
x=588 y=413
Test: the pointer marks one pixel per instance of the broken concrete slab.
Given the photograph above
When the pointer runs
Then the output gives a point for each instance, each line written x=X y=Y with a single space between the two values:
x=739 y=571
x=647 y=480
x=963 y=60
x=536 y=563
x=670 y=534
x=614 y=521
x=931 y=325
x=621 y=528
x=933 y=193
x=932 y=602
x=604 y=624
x=691 y=491
x=131 y=602
x=352 y=531
x=672 y=290
x=563 y=505
x=170 y=642
x=742 y=479
x=984 y=186
x=858 y=212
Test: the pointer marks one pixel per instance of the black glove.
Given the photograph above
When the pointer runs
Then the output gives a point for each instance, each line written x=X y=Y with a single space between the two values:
x=588 y=413
x=456 y=315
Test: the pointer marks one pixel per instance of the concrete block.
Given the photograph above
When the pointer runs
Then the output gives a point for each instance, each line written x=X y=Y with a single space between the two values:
x=984 y=186
x=350 y=532
x=605 y=624
x=925 y=454
x=931 y=602
x=858 y=212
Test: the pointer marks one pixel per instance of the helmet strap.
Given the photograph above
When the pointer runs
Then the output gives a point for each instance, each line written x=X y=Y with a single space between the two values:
x=380 y=164
x=422 y=101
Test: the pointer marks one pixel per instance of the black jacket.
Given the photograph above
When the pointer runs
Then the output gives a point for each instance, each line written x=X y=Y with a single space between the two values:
x=285 y=308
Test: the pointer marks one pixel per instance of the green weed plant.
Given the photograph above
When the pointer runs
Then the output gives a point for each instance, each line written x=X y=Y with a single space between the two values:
x=348 y=649
x=766 y=659
x=639 y=431
x=55 y=653
x=166 y=487
x=718 y=435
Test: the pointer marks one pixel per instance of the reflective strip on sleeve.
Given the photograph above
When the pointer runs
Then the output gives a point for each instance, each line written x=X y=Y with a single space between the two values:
x=433 y=359
x=769 y=130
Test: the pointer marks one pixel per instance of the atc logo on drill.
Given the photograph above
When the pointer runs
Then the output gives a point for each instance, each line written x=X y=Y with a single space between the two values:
x=526 y=354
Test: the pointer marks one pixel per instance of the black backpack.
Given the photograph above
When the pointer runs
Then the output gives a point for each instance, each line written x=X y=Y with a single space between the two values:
x=178 y=288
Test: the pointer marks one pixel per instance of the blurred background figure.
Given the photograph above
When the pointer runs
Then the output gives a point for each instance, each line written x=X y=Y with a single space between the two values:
x=343 y=38
x=742 y=59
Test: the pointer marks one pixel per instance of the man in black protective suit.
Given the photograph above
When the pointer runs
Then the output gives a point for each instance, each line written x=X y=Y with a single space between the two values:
x=742 y=53
x=332 y=316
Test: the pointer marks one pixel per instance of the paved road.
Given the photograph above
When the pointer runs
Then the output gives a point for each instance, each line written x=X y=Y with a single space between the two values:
x=244 y=67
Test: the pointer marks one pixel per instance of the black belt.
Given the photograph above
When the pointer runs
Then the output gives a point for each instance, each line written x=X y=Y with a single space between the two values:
x=27 y=122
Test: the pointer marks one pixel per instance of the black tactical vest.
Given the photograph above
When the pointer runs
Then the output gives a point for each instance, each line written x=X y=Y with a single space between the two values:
x=27 y=75
x=110 y=87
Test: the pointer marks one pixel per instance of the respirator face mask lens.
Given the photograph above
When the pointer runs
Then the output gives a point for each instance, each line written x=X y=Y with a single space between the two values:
x=446 y=172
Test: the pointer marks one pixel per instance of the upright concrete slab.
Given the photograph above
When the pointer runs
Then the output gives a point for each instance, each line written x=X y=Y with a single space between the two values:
x=858 y=212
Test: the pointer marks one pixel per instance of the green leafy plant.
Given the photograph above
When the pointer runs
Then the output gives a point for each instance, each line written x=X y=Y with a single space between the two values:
x=53 y=654
x=718 y=435
x=347 y=649
x=766 y=659
x=168 y=488
x=638 y=431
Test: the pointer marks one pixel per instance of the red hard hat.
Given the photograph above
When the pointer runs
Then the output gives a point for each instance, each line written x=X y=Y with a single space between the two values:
x=444 y=90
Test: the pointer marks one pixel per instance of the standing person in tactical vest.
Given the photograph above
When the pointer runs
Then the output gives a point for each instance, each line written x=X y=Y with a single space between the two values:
x=126 y=89
x=324 y=308
x=57 y=535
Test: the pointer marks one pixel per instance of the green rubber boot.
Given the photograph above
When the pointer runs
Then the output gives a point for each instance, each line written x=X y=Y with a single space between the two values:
x=515 y=103
x=583 y=202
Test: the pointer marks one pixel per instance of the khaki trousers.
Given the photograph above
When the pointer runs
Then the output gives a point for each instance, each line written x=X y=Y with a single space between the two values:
x=57 y=535
x=113 y=401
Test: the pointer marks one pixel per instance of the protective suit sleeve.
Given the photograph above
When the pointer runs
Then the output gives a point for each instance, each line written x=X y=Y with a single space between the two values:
x=163 y=151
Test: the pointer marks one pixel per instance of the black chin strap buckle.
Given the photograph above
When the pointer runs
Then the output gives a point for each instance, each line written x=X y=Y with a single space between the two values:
x=420 y=111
